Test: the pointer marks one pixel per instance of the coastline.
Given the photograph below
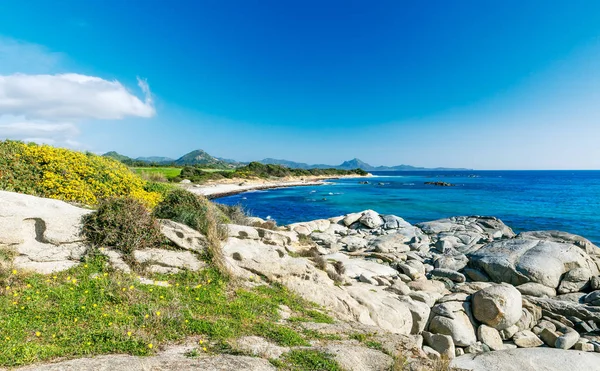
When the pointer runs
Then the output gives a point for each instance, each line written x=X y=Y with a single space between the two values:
x=231 y=187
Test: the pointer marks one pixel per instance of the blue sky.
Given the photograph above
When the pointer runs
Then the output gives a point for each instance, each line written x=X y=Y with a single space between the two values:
x=485 y=85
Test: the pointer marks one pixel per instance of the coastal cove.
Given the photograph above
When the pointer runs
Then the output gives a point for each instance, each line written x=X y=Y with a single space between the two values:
x=524 y=200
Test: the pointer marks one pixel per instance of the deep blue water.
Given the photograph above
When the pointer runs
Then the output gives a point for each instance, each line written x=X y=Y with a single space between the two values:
x=524 y=200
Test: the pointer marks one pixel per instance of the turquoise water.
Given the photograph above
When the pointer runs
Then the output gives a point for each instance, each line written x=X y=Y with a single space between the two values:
x=525 y=200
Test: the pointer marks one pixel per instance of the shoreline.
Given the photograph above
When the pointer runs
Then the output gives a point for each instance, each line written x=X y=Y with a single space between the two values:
x=217 y=190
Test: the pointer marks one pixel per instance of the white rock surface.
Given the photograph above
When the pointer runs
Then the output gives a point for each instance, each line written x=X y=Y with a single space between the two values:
x=45 y=233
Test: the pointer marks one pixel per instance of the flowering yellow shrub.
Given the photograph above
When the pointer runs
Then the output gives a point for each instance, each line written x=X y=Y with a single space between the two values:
x=68 y=175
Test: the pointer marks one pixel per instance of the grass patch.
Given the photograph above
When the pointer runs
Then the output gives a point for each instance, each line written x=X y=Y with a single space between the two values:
x=167 y=172
x=91 y=310
x=300 y=360
x=313 y=334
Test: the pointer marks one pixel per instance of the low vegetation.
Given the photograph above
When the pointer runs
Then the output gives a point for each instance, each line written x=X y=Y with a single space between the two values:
x=156 y=173
x=63 y=174
x=258 y=170
x=91 y=309
x=307 y=359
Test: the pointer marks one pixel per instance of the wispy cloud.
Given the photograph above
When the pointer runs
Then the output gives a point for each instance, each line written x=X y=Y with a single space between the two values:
x=23 y=57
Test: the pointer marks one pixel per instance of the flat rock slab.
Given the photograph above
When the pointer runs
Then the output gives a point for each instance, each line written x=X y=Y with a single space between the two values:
x=357 y=266
x=161 y=362
x=529 y=359
x=45 y=233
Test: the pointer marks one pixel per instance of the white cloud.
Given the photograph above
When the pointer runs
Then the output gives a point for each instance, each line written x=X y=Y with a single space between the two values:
x=38 y=104
x=71 y=97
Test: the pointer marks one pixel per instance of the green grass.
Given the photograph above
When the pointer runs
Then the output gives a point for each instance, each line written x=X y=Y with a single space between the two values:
x=168 y=172
x=299 y=360
x=218 y=170
x=92 y=310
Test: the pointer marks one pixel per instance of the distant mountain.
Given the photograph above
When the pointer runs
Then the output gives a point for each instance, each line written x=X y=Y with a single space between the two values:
x=351 y=165
x=200 y=157
x=293 y=165
x=355 y=164
x=156 y=159
x=117 y=156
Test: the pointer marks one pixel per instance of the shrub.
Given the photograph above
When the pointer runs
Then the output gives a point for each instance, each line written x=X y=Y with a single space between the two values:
x=197 y=212
x=235 y=213
x=67 y=175
x=123 y=224
x=161 y=188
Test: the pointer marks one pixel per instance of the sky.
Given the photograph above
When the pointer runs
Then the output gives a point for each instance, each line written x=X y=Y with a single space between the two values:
x=476 y=84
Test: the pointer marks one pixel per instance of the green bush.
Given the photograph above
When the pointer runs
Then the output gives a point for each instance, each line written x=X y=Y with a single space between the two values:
x=123 y=224
x=161 y=188
x=193 y=210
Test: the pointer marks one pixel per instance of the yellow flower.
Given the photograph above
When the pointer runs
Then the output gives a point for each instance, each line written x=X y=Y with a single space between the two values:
x=94 y=305
x=28 y=285
x=201 y=342
x=130 y=287
x=68 y=278
x=105 y=274
x=158 y=313
x=74 y=280
x=150 y=345
x=110 y=323
x=146 y=316
x=14 y=271
x=38 y=334
x=204 y=349
x=76 y=319
x=85 y=266
x=128 y=333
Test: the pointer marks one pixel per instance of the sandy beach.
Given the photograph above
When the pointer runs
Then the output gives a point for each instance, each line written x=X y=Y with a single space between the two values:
x=235 y=186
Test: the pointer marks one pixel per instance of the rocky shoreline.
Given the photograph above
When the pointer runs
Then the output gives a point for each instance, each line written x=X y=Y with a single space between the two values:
x=466 y=289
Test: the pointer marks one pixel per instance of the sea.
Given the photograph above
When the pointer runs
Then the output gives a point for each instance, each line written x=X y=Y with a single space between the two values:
x=524 y=200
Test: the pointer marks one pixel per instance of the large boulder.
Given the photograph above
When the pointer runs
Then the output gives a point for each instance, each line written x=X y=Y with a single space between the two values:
x=306 y=228
x=44 y=234
x=465 y=233
x=521 y=260
x=389 y=243
x=577 y=279
x=371 y=219
x=563 y=237
x=454 y=319
x=497 y=306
